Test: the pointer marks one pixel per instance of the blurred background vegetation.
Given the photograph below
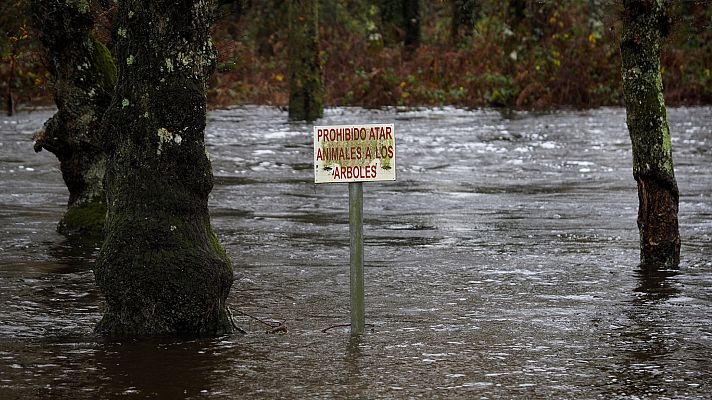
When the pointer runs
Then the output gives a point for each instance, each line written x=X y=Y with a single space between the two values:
x=468 y=53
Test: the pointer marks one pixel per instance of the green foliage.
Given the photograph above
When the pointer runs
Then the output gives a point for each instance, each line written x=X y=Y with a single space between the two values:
x=21 y=71
x=516 y=54
x=85 y=219
x=502 y=92
x=104 y=63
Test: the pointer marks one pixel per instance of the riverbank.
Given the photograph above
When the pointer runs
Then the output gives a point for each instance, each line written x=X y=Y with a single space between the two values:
x=558 y=55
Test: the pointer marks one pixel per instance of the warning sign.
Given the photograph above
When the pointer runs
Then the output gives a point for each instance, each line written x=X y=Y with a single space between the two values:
x=354 y=153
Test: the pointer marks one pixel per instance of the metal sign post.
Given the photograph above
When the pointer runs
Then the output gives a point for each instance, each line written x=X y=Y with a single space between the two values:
x=355 y=154
x=358 y=312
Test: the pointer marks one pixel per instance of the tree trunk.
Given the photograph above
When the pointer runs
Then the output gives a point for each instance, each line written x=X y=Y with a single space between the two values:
x=644 y=27
x=391 y=12
x=306 y=94
x=161 y=267
x=411 y=21
x=270 y=17
x=84 y=76
x=401 y=22
x=9 y=96
x=516 y=12
x=464 y=15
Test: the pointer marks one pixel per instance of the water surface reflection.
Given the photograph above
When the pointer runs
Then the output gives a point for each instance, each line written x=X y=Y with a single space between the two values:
x=501 y=264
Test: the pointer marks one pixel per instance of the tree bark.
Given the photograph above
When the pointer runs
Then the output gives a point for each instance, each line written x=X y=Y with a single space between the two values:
x=161 y=267
x=306 y=93
x=84 y=76
x=644 y=27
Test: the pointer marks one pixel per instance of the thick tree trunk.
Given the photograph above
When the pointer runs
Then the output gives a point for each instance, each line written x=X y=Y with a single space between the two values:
x=306 y=93
x=161 y=267
x=644 y=26
x=83 y=76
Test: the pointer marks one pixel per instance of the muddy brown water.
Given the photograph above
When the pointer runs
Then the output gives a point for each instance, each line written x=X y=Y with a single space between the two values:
x=501 y=264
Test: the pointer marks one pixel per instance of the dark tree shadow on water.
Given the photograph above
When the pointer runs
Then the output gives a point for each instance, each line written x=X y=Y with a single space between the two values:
x=644 y=343
x=654 y=285
x=74 y=254
x=158 y=368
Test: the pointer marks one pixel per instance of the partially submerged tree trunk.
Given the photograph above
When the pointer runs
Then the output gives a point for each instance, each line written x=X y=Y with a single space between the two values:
x=161 y=267
x=644 y=27
x=306 y=93
x=84 y=76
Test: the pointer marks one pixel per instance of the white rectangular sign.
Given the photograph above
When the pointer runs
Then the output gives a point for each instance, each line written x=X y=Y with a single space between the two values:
x=354 y=153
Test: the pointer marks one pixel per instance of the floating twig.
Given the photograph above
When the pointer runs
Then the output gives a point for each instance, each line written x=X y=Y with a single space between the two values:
x=232 y=322
x=280 y=327
x=341 y=326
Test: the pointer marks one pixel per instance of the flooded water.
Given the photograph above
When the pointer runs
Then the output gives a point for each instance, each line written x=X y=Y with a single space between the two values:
x=501 y=264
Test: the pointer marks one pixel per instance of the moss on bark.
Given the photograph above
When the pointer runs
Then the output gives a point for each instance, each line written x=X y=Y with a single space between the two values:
x=83 y=78
x=104 y=64
x=85 y=218
x=306 y=92
x=161 y=268
x=644 y=25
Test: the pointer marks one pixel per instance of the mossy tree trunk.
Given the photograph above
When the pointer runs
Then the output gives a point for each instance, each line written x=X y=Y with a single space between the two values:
x=306 y=92
x=644 y=27
x=83 y=75
x=161 y=267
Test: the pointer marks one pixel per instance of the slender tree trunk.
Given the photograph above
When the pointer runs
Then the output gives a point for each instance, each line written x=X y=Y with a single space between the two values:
x=401 y=22
x=391 y=12
x=411 y=19
x=270 y=21
x=9 y=97
x=161 y=267
x=84 y=76
x=516 y=12
x=644 y=27
x=306 y=94
x=464 y=15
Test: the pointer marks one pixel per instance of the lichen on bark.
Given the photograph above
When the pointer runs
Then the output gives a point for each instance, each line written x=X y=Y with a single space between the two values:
x=161 y=268
x=644 y=28
x=83 y=78
x=306 y=92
